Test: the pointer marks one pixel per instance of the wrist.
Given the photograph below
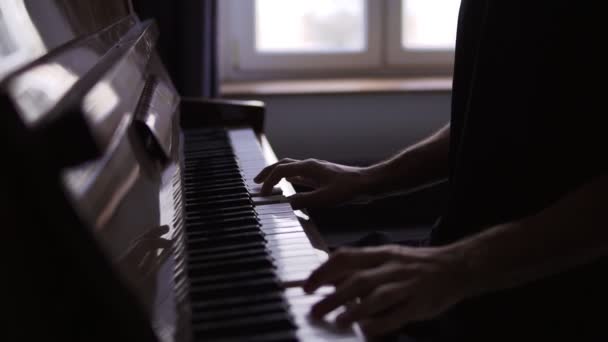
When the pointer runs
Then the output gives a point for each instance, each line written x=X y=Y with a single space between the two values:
x=373 y=177
x=457 y=267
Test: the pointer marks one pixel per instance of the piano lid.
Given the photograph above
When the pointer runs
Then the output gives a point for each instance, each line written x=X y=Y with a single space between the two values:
x=86 y=89
x=38 y=88
x=31 y=28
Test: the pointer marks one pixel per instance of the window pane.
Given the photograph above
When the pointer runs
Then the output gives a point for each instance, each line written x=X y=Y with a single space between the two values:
x=298 y=26
x=429 y=24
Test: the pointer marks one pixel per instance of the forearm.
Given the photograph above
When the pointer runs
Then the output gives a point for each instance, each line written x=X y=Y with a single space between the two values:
x=418 y=164
x=570 y=233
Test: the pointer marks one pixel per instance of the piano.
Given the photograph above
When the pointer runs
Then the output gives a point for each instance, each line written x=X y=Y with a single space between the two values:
x=130 y=212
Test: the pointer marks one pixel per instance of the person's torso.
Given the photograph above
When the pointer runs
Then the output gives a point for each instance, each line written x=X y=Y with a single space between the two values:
x=527 y=128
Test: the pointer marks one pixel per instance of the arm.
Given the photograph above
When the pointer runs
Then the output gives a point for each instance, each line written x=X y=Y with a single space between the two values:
x=398 y=284
x=418 y=164
x=334 y=183
x=571 y=232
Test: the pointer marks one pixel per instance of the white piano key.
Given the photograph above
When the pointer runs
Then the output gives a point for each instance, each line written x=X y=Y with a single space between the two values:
x=277 y=208
x=277 y=231
x=257 y=190
x=273 y=210
x=286 y=239
x=304 y=245
x=279 y=222
x=270 y=216
x=302 y=270
x=287 y=243
x=261 y=200
x=313 y=330
x=289 y=253
x=272 y=226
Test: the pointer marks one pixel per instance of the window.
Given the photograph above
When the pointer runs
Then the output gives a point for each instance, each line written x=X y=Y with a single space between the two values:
x=339 y=36
x=312 y=26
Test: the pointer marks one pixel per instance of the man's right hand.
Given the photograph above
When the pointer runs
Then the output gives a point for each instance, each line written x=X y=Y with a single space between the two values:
x=331 y=183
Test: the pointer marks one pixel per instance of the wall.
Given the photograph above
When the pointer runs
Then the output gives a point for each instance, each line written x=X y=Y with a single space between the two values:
x=351 y=128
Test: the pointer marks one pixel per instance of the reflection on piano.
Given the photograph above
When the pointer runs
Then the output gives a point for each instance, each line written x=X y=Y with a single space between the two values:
x=137 y=206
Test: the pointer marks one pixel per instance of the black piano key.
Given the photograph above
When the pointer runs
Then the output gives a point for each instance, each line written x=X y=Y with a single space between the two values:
x=238 y=299
x=238 y=312
x=229 y=266
x=210 y=215
x=208 y=147
x=212 y=173
x=191 y=185
x=215 y=163
x=193 y=159
x=209 y=154
x=196 y=136
x=201 y=242
x=212 y=180
x=228 y=255
x=236 y=202
x=217 y=191
x=202 y=213
x=234 y=277
x=282 y=336
x=228 y=248
x=203 y=201
x=200 y=132
x=192 y=224
x=195 y=206
x=203 y=157
x=244 y=326
x=215 y=290
x=198 y=165
x=215 y=233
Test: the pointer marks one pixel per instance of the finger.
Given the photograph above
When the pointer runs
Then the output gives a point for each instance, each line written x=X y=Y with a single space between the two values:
x=149 y=244
x=160 y=230
x=344 y=261
x=321 y=197
x=261 y=177
x=358 y=285
x=381 y=299
x=298 y=180
x=310 y=199
x=389 y=321
x=156 y=243
x=280 y=172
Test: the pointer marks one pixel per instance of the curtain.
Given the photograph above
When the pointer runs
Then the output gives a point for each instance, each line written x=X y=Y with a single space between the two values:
x=188 y=42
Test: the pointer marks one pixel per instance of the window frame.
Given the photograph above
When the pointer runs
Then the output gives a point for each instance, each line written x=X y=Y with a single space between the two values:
x=248 y=59
x=397 y=55
x=385 y=56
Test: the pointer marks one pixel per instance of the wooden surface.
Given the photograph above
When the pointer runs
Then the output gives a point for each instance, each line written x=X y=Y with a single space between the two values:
x=333 y=86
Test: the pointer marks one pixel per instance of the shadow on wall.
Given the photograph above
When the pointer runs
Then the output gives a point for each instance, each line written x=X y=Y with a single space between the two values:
x=353 y=128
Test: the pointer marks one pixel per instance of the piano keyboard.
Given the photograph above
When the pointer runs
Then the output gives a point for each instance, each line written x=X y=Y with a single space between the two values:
x=243 y=249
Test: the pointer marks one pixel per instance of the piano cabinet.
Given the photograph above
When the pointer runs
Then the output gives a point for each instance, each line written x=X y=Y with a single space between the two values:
x=132 y=211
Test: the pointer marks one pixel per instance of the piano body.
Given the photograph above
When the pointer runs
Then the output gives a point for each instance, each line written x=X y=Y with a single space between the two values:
x=130 y=211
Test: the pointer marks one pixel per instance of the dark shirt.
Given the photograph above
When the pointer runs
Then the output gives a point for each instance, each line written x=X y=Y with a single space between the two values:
x=526 y=129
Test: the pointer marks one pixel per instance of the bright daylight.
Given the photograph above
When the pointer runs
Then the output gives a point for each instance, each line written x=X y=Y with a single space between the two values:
x=340 y=25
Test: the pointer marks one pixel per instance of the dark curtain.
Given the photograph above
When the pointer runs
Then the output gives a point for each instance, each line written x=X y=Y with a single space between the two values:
x=188 y=42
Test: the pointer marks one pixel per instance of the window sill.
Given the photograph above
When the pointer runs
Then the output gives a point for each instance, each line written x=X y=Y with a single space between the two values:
x=337 y=86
